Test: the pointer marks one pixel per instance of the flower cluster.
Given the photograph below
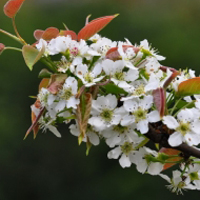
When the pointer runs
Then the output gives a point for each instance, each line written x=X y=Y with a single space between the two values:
x=117 y=92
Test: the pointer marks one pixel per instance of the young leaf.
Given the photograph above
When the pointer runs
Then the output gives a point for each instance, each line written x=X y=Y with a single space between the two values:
x=114 y=55
x=38 y=34
x=70 y=33
x=35 y=126
x=44 y=83
x=31 y=55
x=56 y=82
x=170 y=152
x=12 y=7
x=189 y=87
x=94 y=27
x=83 y=114
x=2 y=47
x=175 y=73
x=50 y=33
x=160 y=100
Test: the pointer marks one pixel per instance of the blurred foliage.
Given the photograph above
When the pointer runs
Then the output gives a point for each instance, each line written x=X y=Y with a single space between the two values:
x=49 y=168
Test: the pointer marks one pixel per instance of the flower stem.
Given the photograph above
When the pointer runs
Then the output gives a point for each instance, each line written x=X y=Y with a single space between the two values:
x=16 y=31
x=11 y=36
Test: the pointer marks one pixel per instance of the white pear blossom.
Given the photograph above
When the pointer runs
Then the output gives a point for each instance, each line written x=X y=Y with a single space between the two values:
x=90 y=134
x=144 y=163
x=89 y=78
x=139 y=113
x=67 y=95
x=177 y=182
x=125 y=151
x=104 y=112
x=186 y=128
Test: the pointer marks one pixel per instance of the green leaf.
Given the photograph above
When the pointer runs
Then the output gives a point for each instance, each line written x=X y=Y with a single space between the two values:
x=31 y=55
x=113 y=89
x=189 y=87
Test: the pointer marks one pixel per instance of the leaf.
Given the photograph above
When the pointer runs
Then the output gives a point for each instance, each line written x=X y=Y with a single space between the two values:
x=160 y=100
x=70 y=33
x=44 y=83
x=83 y=114
x=35 y=126
x=113 y=89
x=175 y=73
x=44 y=73
x=12 y=7
x=189 y=87
x=114 y=55
x=170 y=152
x=50 y=33
x=38 y=34
x=2 y=47
x=56 y=82
x=31 y=55
x=94 y=27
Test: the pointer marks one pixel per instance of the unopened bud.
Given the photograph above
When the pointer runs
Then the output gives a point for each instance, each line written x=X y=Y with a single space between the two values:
x=2 y=47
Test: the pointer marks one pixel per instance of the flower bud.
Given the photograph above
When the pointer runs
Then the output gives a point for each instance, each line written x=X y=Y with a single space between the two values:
x=2 y=47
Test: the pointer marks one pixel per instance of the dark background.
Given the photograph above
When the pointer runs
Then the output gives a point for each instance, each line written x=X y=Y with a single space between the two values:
x=49 y=168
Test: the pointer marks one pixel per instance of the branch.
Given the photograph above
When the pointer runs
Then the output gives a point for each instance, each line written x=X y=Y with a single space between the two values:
x=159 y=133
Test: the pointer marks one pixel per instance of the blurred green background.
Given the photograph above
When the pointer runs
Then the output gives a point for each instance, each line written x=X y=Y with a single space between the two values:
x=49 y=168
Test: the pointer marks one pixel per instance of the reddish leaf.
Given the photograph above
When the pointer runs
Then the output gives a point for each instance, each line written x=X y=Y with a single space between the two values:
x=160 y=100
x=170 y=152
x=114 y=55
x=56 y=82
x=12 y=7
x=172 y=77
x=44 y=83
x=94 y=27
x=50 y=33
x=189 y=87
x=70 y=33
x=2 y=46
x=38 y=34
x=35 y=118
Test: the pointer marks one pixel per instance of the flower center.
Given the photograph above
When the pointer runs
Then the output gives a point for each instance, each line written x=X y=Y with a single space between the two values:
x=107 y=115
x=183 y=128
x=67 y=93
x=119 y=76
x=120 y=129
x=194 y=176
x=88 y=78
x=140 y=114
x=139 y=90
x=127 y=148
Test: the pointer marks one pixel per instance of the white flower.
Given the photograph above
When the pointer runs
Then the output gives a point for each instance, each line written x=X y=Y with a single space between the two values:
x=139 y=113
x=177 y=183
x=145 y=45
x=102 y=45
x=46 y=122
x=45 y=97
x=142 y=159
x=116 y=135
x=90 y=134
x=104 y=112
x=89 y=78
x=186 y=128
x=126 y=56
x=125 y=152
x=67 y=96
